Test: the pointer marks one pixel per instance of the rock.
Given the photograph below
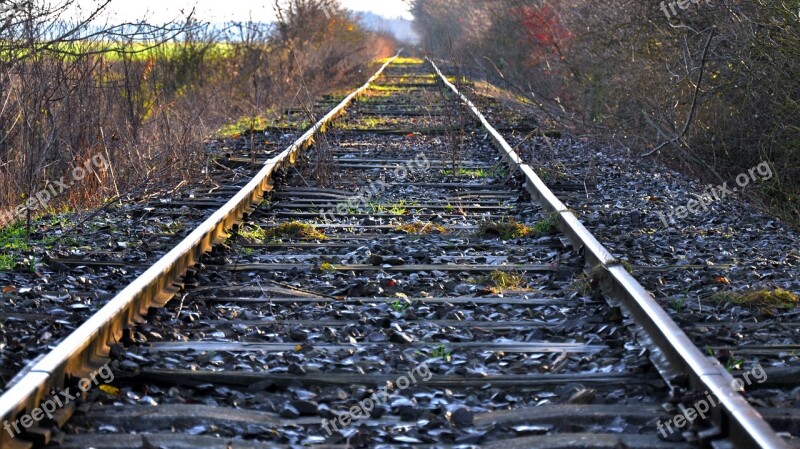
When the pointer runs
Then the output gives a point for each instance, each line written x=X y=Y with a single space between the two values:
x=401 y=337
x=407 y=409
x=462 y=417
x=325 y=412
x=128 y=365
x=288 y=411
x=464 y=289
x=308 y=408
x=297 y=369
x=393 y=261
x=376 y=337
x=298 y=334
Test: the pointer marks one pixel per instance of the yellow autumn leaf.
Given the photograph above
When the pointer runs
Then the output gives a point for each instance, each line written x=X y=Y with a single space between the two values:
x=108 y=389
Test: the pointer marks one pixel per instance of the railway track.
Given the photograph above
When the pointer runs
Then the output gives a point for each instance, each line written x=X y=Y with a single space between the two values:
x=395 y=287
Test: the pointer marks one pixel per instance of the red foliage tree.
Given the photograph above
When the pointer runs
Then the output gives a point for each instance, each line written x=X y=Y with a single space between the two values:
x=542 y=32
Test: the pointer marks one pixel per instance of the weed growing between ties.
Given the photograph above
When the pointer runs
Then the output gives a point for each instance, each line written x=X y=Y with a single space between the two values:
x=398 y=208
x=471 y=173
x=510 y=229
x=439 y=352
x=764 y=299
x=678 y=304
x=15 y=241
x=243 y=125
x=495 y=172
x=288 y=230
x=547 y=225
x=295 y=230
x=7 y=262
x=15 y=237
x=421 y=227
x=504 y=281
x=399 y=305
x=326 y=267
x=253 y=233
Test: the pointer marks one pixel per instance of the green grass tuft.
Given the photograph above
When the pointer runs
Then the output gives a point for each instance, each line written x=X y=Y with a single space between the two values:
x=295 y=230
x=15 y=237
x=441 y=352
x=290 y=230
x=503 y=281
x=472 y=173
x=399 y=306
x=243 y=125
x=7 y=262
x=777 y=298
x=398 y=208
x=326 y=267
x=253 y=233
x=548 y=225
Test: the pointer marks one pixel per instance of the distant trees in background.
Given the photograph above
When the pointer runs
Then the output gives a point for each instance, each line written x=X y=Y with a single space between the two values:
x=714 y=87
x=148 y=96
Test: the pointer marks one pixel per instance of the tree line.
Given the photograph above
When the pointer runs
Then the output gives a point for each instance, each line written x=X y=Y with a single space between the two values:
x=148 y=96
x=710 y=86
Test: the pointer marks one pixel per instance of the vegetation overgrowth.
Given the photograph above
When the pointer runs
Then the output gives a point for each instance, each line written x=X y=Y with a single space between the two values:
x=711 y=88
x=148 y=97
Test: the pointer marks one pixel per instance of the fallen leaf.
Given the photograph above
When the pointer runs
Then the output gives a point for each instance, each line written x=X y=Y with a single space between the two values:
x=109 y=389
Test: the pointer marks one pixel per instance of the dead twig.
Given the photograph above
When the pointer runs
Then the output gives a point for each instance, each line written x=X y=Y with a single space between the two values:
x=693 y=108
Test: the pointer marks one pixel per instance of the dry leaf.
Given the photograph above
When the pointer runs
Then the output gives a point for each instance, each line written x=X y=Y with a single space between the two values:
x=109 y=389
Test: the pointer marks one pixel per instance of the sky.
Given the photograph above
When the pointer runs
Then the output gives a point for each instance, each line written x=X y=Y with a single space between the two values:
x=160 y=11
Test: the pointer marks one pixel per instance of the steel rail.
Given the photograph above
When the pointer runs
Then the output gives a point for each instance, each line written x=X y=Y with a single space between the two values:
x=738 y=421
x=88 y=345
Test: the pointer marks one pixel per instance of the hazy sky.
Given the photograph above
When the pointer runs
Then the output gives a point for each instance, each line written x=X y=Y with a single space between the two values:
x=229 y=10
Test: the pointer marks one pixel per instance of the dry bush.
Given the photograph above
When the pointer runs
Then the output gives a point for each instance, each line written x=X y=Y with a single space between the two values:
x=147 y=98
